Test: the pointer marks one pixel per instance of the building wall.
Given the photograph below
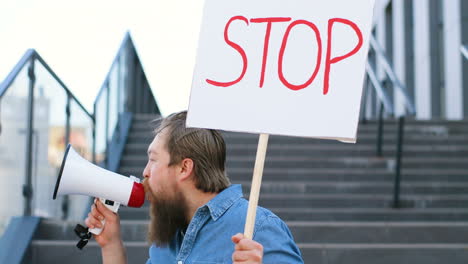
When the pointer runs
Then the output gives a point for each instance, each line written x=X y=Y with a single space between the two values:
x=422 y=39
x=464 y=39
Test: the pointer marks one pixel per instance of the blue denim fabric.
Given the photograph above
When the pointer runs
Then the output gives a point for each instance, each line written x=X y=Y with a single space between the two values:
x=208 y=236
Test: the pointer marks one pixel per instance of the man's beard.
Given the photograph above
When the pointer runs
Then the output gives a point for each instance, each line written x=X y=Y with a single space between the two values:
x=168 y=215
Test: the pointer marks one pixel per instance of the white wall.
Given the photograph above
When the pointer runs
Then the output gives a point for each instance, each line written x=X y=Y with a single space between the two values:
x=422 y=59
x=398 y=17
x=453 y=59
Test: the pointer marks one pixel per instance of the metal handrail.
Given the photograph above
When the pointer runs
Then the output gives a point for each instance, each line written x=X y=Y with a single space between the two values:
x=392 y=75
x=464 y=50
x=385 y=104
x=33 y=54
x=16 y=70
x=381 y=93
x=116 y=143
x=29 y=59
x=104 y=87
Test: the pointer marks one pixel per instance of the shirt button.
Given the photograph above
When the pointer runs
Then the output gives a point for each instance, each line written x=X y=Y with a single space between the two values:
x=179 y=262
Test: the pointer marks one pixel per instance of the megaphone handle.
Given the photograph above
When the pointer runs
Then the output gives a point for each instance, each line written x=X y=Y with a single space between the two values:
x=113 y=206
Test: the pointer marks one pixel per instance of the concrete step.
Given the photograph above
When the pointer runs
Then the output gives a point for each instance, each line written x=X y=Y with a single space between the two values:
x=412 y=121
x=145 y=117
x=364 y=148
x=131 y=230
x=379 y=232
x=344 y=214
x=401 y=253
x=276 y=159
x=371 y=187
x=308 y=231
x=371 y=214
x=364 y=136
x=346 y=175
x=144 y=136
x=361 y=201
x=344 y=150
x=320 y=253
x=317 y=253
x=370 y=201
x=60 y=251
x=334 y=174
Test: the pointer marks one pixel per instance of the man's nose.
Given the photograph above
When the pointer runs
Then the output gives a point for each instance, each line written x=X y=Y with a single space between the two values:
x=145 y=172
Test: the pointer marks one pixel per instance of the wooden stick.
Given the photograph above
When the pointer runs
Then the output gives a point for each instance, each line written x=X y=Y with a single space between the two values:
x=256 y=184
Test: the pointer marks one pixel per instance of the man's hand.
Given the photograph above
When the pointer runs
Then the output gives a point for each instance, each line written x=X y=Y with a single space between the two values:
x=111 y=232
x=246 y=250
x=109 y=240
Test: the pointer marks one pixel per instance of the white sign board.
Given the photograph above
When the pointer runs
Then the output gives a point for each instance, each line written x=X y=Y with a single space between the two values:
x=281 y=67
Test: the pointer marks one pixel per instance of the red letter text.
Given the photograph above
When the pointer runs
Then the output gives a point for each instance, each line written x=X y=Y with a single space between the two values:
x=268 y=20
x=236 y=47
x=283 y=47
x=329 y=61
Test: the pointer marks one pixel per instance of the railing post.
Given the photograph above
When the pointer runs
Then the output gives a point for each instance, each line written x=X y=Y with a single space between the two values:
x=380 y=131
x=67 y=122
x=66 y=198
x=364 y=100
x=27 y=187
x=0 y=116
x=107 y=123
x=94 y=134
x=396 y=189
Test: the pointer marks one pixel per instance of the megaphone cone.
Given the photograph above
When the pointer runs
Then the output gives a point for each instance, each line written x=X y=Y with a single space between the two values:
x=79 y=176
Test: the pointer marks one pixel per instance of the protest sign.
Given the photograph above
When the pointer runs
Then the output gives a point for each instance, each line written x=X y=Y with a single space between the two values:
x=292 y=68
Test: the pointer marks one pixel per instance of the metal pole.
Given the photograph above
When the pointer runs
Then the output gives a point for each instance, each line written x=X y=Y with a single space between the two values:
x=396 y=190
x=380 y=131
x=27 y=187
x=0 y=117
x=66 y=199
x=107 y=123
x=67 y=122
x=94 y=134
x=364 y=100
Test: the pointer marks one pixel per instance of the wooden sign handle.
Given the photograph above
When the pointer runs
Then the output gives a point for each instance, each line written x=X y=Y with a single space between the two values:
x=256 y=184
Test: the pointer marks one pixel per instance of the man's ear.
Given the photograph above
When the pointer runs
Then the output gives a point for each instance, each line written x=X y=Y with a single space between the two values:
x=186 y=169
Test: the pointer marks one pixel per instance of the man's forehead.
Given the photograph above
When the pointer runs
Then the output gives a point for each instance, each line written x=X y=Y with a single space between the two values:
x=152 y=147
x=157 y=142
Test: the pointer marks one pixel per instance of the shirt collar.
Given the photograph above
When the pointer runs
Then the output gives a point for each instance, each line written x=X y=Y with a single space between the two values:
x=225 y=199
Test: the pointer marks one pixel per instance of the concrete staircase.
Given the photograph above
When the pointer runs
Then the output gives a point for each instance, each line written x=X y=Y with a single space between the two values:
x=335 y=197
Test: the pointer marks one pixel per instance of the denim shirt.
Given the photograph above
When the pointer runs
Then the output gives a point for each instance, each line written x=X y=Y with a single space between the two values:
x=208 y=236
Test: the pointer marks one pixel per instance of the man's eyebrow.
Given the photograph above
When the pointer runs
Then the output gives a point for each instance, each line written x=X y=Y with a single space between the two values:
x=151 y=152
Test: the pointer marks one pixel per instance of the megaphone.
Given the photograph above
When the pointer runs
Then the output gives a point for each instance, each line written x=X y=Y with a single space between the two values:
x=79 y=176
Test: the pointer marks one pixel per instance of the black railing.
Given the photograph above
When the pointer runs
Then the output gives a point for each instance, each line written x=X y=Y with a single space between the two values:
x=386 y=106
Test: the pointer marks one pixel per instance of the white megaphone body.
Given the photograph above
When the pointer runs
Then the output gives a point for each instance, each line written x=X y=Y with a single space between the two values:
x=79 y=176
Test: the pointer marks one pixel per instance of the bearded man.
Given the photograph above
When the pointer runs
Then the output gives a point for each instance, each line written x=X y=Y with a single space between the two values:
x=197 y=216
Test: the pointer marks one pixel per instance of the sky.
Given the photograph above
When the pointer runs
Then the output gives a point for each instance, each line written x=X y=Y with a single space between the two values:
x=79 y=40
